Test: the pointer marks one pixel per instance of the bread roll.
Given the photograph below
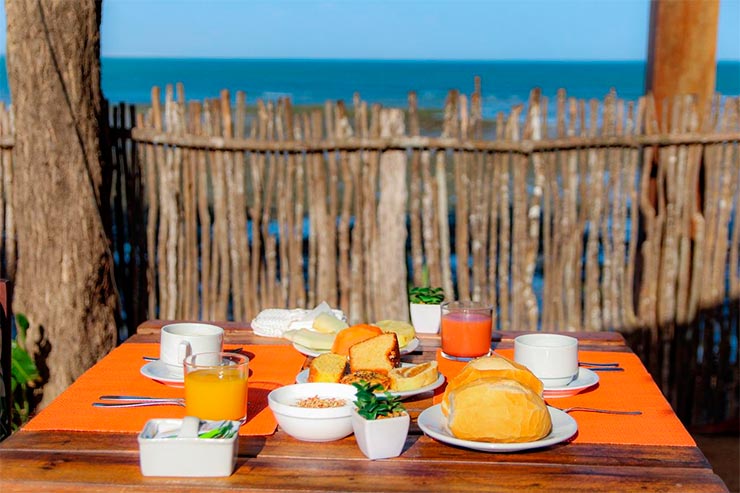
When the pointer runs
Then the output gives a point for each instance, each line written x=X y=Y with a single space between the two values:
x=327 y=367
x=492 y=366
x=413 y=377
x=492 y=409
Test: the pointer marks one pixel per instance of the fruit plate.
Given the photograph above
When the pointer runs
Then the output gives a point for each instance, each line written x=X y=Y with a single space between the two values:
x=302 y=377
x=408 y=348
x=434 y=424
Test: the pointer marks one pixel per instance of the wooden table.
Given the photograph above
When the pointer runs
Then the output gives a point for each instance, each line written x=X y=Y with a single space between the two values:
x=87 y=461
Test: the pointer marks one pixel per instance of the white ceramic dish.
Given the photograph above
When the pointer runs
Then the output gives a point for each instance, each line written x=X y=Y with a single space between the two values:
x=184 y=456
x=313 y=424
x=411 y=346
x=161 y=372
x=302 y=377
x=433 y=423
x=585 y=380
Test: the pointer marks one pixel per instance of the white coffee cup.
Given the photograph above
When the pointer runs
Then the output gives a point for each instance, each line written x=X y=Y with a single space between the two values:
x=180 y=340
x=553 y=358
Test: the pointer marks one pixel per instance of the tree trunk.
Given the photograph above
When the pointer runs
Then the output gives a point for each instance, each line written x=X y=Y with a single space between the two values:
x=64 y=281
x=682 y=47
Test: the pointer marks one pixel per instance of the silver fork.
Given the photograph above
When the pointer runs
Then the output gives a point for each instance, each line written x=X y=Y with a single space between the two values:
x=595 y=410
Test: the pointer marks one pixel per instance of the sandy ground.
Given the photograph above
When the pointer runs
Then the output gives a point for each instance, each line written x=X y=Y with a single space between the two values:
x=723 y=452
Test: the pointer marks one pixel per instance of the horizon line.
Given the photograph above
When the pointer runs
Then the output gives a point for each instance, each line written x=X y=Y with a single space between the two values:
x=430 y=60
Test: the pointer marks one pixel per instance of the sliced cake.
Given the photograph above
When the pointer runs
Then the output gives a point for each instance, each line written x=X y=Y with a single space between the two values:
x=379 y=354
x=327 y=367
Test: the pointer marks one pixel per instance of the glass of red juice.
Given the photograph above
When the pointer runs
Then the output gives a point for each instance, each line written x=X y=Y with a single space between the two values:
x=466 y=330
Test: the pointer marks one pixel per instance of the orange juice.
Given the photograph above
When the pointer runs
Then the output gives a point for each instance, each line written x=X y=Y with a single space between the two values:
x=466 y=335
x=216 y=393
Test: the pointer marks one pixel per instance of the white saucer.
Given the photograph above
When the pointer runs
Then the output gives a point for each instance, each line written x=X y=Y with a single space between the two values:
x=161 y=372
x=433 y=423
x=413 y=344
x=302 y=377
x=585 y=379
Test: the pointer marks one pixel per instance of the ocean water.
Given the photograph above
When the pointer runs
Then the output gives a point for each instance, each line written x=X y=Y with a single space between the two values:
x=309 y=82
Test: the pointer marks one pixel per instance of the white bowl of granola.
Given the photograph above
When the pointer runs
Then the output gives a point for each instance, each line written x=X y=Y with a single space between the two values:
x=314 y=412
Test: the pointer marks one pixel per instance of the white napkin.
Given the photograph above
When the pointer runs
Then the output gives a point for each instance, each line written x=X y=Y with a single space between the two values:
x=273 y=322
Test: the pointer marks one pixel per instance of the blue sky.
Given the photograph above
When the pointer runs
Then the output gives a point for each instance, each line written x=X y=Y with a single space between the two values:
x=389 y=29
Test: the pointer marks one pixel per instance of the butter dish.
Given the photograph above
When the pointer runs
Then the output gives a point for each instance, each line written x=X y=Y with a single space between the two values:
x=188 y=447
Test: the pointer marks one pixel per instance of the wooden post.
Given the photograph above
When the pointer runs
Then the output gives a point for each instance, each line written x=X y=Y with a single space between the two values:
x=682 y=47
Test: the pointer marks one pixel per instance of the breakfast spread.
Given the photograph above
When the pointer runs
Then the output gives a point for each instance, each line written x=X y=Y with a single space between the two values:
x=494 y=399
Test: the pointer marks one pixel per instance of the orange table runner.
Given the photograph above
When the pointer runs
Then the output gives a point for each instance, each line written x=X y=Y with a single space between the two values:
x=632 y=389
x=118 y=373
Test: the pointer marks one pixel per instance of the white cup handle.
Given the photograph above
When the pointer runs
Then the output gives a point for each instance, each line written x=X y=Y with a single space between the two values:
x=183 y=351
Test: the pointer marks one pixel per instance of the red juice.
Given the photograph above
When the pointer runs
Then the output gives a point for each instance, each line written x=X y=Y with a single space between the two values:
x=466 y=335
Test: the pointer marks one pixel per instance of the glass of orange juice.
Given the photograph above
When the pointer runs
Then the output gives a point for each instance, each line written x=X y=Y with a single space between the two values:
x=466 y=330
x=216 y=386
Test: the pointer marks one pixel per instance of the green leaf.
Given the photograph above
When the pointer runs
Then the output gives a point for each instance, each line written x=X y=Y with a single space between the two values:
x=370 y=406
x=23 y=369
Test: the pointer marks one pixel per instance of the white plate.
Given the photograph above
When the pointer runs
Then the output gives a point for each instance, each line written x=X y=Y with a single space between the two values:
x=302 y=377
x=586 y=379
x=434 y=423
x=161 y=372
x=413 y=344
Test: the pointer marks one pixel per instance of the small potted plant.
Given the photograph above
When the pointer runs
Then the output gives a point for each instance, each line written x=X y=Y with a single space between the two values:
x=380 y=424
x=425 y=308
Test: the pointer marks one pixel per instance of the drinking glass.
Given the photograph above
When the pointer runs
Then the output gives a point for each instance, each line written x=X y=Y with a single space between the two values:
x=216 y=386
x=466 y=330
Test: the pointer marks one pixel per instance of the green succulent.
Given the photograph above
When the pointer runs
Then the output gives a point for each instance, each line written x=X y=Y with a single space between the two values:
x=372 y=407
x=426 y=295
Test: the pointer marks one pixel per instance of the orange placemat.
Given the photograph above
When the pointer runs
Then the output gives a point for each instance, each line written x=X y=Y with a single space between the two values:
x=632 y=389
x=118 y=373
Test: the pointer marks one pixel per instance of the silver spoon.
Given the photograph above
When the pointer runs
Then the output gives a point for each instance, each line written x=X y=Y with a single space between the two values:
x=585 y=363
x=594 y=410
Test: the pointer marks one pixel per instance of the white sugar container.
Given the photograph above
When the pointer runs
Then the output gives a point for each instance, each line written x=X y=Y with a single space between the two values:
x=171 y=447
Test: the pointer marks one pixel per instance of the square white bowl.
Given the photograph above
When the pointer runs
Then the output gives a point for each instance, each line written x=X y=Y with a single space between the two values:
x=184 y=457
